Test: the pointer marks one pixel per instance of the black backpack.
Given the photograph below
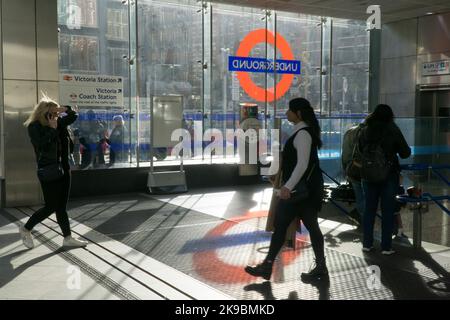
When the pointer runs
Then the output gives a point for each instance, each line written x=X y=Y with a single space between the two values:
x=372 y=160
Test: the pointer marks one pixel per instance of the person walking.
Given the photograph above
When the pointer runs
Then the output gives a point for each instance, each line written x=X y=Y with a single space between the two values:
x=47 y=129
x=300 y=163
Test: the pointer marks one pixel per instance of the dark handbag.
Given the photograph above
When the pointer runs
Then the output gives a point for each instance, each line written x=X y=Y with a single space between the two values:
x=51 y=172
x=301 y=190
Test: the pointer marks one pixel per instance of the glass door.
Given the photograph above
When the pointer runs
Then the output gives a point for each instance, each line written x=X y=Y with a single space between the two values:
x=170 y=50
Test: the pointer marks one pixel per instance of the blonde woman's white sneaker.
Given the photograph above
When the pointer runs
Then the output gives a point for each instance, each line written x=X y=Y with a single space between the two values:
x=26 y=236
x=74 y=243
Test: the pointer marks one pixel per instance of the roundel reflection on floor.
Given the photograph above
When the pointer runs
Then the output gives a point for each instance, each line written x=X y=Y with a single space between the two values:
x=221 y=255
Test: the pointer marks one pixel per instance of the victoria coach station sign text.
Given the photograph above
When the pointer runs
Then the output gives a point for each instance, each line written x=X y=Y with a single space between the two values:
x=91 y=90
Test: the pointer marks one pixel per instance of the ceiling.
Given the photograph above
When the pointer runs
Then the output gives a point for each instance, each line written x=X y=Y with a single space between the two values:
x=391 y=10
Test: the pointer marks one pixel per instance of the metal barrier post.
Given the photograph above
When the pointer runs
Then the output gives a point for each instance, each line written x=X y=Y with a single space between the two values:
x=417 y=228
x=418 y=202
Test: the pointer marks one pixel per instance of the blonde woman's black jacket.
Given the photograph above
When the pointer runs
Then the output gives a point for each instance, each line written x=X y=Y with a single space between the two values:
x=53 y=145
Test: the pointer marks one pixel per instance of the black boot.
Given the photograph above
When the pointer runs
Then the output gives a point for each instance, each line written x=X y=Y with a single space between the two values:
x=263 y=269
x=318 y=272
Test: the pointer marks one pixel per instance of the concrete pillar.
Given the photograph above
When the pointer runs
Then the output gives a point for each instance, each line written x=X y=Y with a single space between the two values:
x=29 y=61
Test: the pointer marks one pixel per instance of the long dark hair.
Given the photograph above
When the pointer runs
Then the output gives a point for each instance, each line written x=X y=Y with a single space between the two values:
x=377 y=123
x=382 y=114
x=308 y=116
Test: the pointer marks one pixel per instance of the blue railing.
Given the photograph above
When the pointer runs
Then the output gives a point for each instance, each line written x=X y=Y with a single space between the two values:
x=426 y=196
x=428 y=137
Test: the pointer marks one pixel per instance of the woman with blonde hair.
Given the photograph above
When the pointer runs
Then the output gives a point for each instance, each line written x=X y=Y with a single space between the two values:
x=47 y=128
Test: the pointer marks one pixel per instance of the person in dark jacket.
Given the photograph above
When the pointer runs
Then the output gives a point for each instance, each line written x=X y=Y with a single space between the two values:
x=52 y=144
x=300 y=160
x=380 y=129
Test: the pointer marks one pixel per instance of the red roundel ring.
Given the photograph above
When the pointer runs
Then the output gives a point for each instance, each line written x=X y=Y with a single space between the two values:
x=246 y=46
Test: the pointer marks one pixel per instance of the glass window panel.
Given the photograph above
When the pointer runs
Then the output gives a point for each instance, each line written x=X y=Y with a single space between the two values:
x=350 y=64
x=102 y=133
x=303 y=33
x=175 y=37
x=228 y=30
x=77 y=13
x=170 y=42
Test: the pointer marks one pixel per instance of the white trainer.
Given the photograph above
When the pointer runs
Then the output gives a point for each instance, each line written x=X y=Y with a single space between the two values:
x=387 y=252
x=365 y=249
x=74 y=243
x=26 y=236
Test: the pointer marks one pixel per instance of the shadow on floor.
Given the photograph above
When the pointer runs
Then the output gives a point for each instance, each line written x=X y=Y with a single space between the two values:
x=9 y=273
x=412 y=274
x=266 y=291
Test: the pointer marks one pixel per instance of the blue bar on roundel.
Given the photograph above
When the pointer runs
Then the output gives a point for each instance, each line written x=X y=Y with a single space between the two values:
x=247 y=64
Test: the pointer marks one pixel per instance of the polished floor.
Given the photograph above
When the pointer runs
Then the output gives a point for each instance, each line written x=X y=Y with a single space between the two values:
x=195 y=246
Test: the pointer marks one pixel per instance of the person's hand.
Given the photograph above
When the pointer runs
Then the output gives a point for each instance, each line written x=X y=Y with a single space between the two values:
x=272 y=180
x=61 y=109
x=285 y=193
x=53 y=121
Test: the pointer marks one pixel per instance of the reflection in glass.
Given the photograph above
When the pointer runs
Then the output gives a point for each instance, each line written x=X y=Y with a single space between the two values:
x=93 y=40
x=183 y=49
x=171 y=49
x=350 y=64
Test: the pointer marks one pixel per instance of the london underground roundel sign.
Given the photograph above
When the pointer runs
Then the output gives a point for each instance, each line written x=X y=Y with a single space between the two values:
x=243 y=65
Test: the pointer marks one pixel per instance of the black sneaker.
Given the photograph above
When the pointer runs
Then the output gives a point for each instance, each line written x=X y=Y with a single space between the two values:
x=319 y=271
x=263 y=270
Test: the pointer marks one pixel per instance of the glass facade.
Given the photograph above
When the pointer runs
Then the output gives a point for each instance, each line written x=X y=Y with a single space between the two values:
x=182 y=48
x=303 y=33
x=94 y=40
x=170 y=47
x=349 y=68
